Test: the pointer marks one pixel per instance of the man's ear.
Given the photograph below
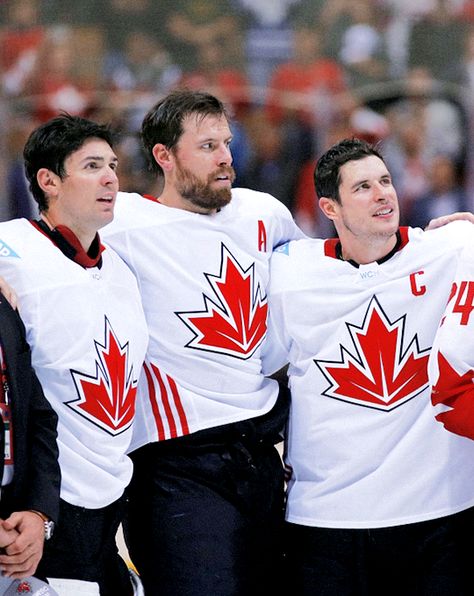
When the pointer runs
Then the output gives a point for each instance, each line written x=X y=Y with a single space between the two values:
x=329 y=207
x=163 y=157
x=48 y=182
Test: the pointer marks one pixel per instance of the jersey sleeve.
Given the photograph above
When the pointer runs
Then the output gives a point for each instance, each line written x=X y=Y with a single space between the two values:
x=276 y=348
x=288 y=230
x=451 y=364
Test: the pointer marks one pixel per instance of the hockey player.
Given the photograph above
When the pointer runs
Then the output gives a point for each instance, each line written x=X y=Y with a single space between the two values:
x=206 y=500
x=85 y=324
x=380 y=495
x=451 y=364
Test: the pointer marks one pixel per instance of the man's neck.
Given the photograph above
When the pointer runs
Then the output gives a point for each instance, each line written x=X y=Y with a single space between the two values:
x=85 y=238
x=363 y=253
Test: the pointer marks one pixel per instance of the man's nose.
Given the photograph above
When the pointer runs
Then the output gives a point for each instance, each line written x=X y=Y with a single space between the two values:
x=225 y=156
x=110 y=176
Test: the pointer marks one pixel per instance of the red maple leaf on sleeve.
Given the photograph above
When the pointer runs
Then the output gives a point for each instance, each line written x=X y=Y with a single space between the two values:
x=235 y=322
x=455 y=391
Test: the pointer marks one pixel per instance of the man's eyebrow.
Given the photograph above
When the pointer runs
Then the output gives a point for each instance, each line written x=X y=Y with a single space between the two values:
x=214 y=139
x=359 y=182
x=99 y=158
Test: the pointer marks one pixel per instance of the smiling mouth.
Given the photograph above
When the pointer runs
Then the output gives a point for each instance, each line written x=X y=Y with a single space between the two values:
x=382 y=212
x=106 y=199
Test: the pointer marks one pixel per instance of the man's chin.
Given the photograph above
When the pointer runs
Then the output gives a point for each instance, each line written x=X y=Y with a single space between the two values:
x=216 y=201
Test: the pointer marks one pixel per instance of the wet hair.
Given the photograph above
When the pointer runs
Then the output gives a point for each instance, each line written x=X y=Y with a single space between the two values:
x=327 y=177
x=53 y=142
x=164 y=122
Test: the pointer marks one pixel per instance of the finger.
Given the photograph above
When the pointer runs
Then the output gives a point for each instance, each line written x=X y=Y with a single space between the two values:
x=439 y=222
x=22 y=568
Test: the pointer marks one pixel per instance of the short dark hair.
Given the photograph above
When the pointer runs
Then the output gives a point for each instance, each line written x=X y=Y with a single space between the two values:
x=53 y=142
x=164 y=122
x=327 y=176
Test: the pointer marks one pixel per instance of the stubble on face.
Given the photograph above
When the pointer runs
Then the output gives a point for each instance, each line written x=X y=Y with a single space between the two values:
x=200 y=192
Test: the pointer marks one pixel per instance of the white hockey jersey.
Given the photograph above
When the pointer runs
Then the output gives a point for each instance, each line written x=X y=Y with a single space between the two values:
x=88 y=336
x=364 y=448
x=203 y=282
x=451 y=364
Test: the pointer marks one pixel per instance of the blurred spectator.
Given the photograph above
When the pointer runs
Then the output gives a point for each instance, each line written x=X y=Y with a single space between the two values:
x=304 y=86
x=465 y=12
x=53 y=85
x=215 y=74
x=424 y=121
x=445 y=194
x=85 y=12
x=405 y=155
x=120 y=17
x=191 y=23
x=436 y=40
x=401 y=15
x=133 y=172
x=241 y=148
x=20 y=39
x=441 y=116
x=278 y=154
x=19 y=199
x=363 y=51
x=461 y=71
x=143 y=64
x=331 y=17
x=304 y=60
x=267 y=40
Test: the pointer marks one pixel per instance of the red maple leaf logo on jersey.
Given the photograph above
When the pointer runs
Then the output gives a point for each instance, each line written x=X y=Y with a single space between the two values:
x=380 y=374
x=457 y=393
x=235 y=322
x=107 y=398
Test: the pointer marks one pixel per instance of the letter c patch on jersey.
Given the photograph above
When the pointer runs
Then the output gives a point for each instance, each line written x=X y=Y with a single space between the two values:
x=417 y=288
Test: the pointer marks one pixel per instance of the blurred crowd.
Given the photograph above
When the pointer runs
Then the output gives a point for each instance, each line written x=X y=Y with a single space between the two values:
x=297 y=76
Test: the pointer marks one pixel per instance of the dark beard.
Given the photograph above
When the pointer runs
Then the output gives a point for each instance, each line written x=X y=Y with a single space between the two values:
x=201 y=194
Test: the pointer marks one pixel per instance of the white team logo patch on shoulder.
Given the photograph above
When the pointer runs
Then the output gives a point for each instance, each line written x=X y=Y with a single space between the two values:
x=381 y=372
x=6 y=251
x=283 y=248
x=234 y=319
x=107 y=397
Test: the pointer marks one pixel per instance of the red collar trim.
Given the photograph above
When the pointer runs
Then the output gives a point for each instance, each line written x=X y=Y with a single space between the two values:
x=151 y=198
x=68 y=243
x=331 y=246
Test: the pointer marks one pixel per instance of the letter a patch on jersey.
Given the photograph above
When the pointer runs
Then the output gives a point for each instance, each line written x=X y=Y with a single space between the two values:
x=107 y=397
x=381 y=373
x=234 y=319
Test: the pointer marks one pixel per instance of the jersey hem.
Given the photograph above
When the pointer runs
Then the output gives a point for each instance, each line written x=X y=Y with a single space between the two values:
x=211 y=425
x=363 y=525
